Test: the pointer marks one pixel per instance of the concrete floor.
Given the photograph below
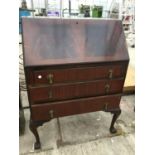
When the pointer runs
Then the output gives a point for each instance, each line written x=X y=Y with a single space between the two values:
x=85 y=134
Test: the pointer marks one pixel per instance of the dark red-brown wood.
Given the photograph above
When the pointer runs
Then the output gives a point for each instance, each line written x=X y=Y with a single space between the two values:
x=78 y=74
x=75 y=90
x=65 y=108
x=75 y=72
x=66 y=41
x=79 y=55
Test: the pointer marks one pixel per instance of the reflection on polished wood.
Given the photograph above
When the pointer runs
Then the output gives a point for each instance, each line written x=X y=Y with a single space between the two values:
x=61 y=41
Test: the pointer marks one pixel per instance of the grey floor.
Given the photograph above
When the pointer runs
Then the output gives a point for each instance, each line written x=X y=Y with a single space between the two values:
x=85 y=134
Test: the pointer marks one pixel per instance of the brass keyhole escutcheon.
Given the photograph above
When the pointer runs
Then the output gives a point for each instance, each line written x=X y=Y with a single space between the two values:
x=110 y=73
x=50 y=78
x=106 y=106
x=107 y=88
x=51 y=113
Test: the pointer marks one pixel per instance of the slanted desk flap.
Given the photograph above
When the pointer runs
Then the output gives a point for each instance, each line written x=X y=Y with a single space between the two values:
x=52 y=41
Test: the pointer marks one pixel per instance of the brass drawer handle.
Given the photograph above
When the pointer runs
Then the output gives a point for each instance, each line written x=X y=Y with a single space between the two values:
x=51 y=113
x=110 y=73
x=50 y=94
x=107 y=88
x=106 y=106
x=50 y=78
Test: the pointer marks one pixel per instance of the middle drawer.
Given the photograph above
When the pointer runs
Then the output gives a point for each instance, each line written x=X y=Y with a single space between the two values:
x=75 y=90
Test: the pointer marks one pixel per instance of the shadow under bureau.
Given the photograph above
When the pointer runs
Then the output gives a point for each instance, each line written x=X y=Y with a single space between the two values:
x=73 y=66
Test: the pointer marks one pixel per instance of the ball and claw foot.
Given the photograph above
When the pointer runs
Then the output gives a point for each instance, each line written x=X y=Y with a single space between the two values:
x=115 y=116
x=37 y=145
x=33 y=127
x=113 y=130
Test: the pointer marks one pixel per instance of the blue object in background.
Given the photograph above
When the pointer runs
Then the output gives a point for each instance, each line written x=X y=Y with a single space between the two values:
x=22 y=13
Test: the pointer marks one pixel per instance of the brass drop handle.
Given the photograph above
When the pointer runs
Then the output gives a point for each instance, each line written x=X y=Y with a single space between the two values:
x=110 y=73
x=107 y=88
x=106 y=106
x=51 y=113
x=50 y=78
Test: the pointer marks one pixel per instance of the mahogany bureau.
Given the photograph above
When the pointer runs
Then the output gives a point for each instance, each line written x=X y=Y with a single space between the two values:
x=73 y=66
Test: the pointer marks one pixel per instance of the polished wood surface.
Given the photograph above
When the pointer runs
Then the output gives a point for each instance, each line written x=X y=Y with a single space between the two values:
x=78 y=74
x=73 y=66
x=66 y=41
x=76 y=90
x=72 y=107
x=37 y=76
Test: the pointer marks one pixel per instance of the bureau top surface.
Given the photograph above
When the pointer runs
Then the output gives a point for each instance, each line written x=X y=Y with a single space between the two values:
x=54 y=41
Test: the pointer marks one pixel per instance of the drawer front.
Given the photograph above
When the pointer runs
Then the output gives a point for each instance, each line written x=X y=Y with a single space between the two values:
x=78 y=106
x=78 y=74
x=75 y=90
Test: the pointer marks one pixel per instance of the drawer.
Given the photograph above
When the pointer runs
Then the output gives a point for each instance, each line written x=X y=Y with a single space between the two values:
x=77 y=74
x=77 y=106
x=75 y=90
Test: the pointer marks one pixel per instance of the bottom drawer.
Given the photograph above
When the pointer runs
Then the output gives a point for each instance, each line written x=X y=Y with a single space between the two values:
x=64 y=108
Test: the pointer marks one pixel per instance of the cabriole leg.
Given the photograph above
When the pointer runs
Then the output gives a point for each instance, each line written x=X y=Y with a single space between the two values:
x=33 y=127
x=115 y=116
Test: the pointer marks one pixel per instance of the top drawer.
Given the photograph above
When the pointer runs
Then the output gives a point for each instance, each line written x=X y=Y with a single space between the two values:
x=45 y=76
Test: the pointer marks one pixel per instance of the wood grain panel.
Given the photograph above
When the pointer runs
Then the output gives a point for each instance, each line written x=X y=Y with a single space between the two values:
x=78 y=74
x=66 y=41
x=71 y=107
x=75 y=90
